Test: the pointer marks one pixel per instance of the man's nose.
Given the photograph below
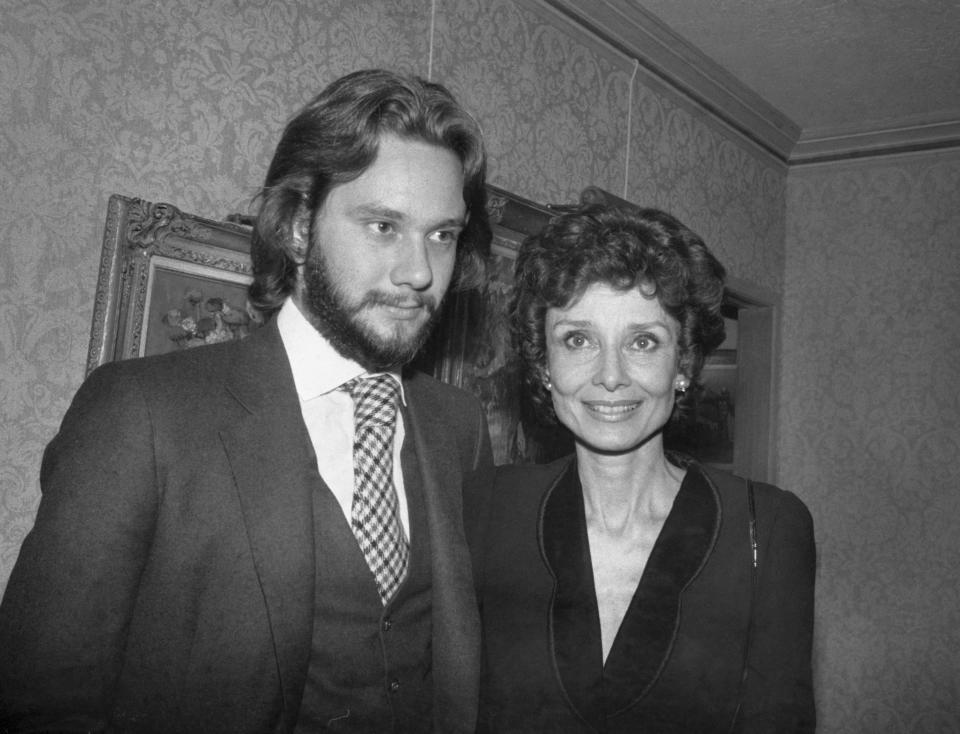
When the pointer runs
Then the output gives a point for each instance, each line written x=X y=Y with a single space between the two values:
x=413 y=267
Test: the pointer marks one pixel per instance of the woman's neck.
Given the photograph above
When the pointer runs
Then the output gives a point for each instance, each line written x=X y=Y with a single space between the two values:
x=621 y=489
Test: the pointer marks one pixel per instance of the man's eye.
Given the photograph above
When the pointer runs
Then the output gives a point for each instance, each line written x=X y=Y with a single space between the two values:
x=445 y=237
x=382 y=227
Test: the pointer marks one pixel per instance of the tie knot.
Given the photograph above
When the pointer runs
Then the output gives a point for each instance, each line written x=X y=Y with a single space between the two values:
x=374 y=399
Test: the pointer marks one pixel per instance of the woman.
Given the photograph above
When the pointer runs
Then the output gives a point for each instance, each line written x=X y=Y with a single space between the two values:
x=623 y=589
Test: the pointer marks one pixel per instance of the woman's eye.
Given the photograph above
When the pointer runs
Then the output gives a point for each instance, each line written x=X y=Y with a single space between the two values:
x=575 y=341
x=646 y=342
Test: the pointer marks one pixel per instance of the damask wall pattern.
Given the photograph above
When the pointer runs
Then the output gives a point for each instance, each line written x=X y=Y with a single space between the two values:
x=553 y=102
x=870 y=432
x=562 y=110
x=732 y=195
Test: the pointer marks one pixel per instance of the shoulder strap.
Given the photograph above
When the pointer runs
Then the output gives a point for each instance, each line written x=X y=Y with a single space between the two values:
x=754 y=573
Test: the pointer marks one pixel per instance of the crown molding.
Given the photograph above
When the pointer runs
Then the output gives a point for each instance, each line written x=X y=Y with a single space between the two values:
x=640 y=35
x=644 y=37
x=844 y=144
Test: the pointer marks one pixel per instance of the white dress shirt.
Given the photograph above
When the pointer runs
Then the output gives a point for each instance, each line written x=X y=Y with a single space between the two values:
x=319 y=371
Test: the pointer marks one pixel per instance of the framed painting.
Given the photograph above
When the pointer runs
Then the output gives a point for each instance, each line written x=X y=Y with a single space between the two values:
x=167 y=281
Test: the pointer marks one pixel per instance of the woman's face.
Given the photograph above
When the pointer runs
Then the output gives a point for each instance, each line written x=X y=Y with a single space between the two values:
x=612 y=360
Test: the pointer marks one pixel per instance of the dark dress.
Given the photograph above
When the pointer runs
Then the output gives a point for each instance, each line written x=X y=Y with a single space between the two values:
x=710 y=642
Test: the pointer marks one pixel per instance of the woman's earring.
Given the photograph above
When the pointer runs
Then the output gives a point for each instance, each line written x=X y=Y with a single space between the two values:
x=681 y=384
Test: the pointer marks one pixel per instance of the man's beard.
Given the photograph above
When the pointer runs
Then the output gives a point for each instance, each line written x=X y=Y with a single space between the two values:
x=339 y=321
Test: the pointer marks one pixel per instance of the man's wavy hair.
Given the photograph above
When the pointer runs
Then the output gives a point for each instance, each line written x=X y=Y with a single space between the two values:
x=333 y=140
x=624 y=248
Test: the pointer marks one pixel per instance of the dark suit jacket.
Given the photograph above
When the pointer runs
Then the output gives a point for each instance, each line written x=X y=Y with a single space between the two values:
x=167 y=584
x=677 y=662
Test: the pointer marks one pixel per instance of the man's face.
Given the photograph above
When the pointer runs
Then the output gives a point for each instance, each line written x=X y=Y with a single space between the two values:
x=382 y=252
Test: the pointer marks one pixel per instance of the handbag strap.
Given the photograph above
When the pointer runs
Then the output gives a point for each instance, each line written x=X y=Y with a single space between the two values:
x=754 y=573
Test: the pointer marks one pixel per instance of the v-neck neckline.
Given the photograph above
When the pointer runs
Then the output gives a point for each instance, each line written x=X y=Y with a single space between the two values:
x=647 y=632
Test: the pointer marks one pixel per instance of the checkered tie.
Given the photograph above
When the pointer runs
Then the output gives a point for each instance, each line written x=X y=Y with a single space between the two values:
x=375 y=515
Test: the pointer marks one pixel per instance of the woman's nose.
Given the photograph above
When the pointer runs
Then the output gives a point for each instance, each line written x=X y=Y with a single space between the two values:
x=611 y=372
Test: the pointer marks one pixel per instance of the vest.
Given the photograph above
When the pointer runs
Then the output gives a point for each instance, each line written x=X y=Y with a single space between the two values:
x=370 y=665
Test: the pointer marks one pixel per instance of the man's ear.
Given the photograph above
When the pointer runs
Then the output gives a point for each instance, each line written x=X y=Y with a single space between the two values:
x=299 y=242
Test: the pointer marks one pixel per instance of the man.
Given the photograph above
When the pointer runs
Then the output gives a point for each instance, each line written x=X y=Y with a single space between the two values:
x=265 y=535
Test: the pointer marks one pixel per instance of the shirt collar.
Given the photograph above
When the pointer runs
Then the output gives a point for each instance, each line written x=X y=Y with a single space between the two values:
x=318 y=368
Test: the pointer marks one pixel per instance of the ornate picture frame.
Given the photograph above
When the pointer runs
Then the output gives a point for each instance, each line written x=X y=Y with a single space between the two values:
x=167 y=280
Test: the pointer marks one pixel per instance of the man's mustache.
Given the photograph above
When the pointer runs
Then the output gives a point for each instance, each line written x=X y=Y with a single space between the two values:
x=411 y=300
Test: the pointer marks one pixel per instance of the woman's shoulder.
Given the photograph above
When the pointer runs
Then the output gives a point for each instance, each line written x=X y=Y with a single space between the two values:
x=769 y=503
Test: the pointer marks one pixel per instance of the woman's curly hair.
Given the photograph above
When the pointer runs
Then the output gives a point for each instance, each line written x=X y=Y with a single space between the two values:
x=623 y=248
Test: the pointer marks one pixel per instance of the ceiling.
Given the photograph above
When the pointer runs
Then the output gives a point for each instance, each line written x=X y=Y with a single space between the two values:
x=848 y=74
x=833 y=65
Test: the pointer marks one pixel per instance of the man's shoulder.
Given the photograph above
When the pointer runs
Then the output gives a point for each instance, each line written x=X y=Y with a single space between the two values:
x=449 y=417
x=194 y=362
x=422 y=387
x=187 y=364
x=190 y=376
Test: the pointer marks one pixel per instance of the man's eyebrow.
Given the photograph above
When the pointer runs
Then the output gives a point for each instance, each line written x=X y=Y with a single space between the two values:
x=378 y=210
x=382 y=211
x=453 y=222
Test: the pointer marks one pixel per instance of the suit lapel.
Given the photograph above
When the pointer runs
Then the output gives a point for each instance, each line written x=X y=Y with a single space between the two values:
x=456 y=622
x=274 y=469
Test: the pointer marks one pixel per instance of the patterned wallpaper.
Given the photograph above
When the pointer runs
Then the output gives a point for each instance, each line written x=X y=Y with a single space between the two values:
x=556 y=105
x=182 y=102
x=870 y=432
